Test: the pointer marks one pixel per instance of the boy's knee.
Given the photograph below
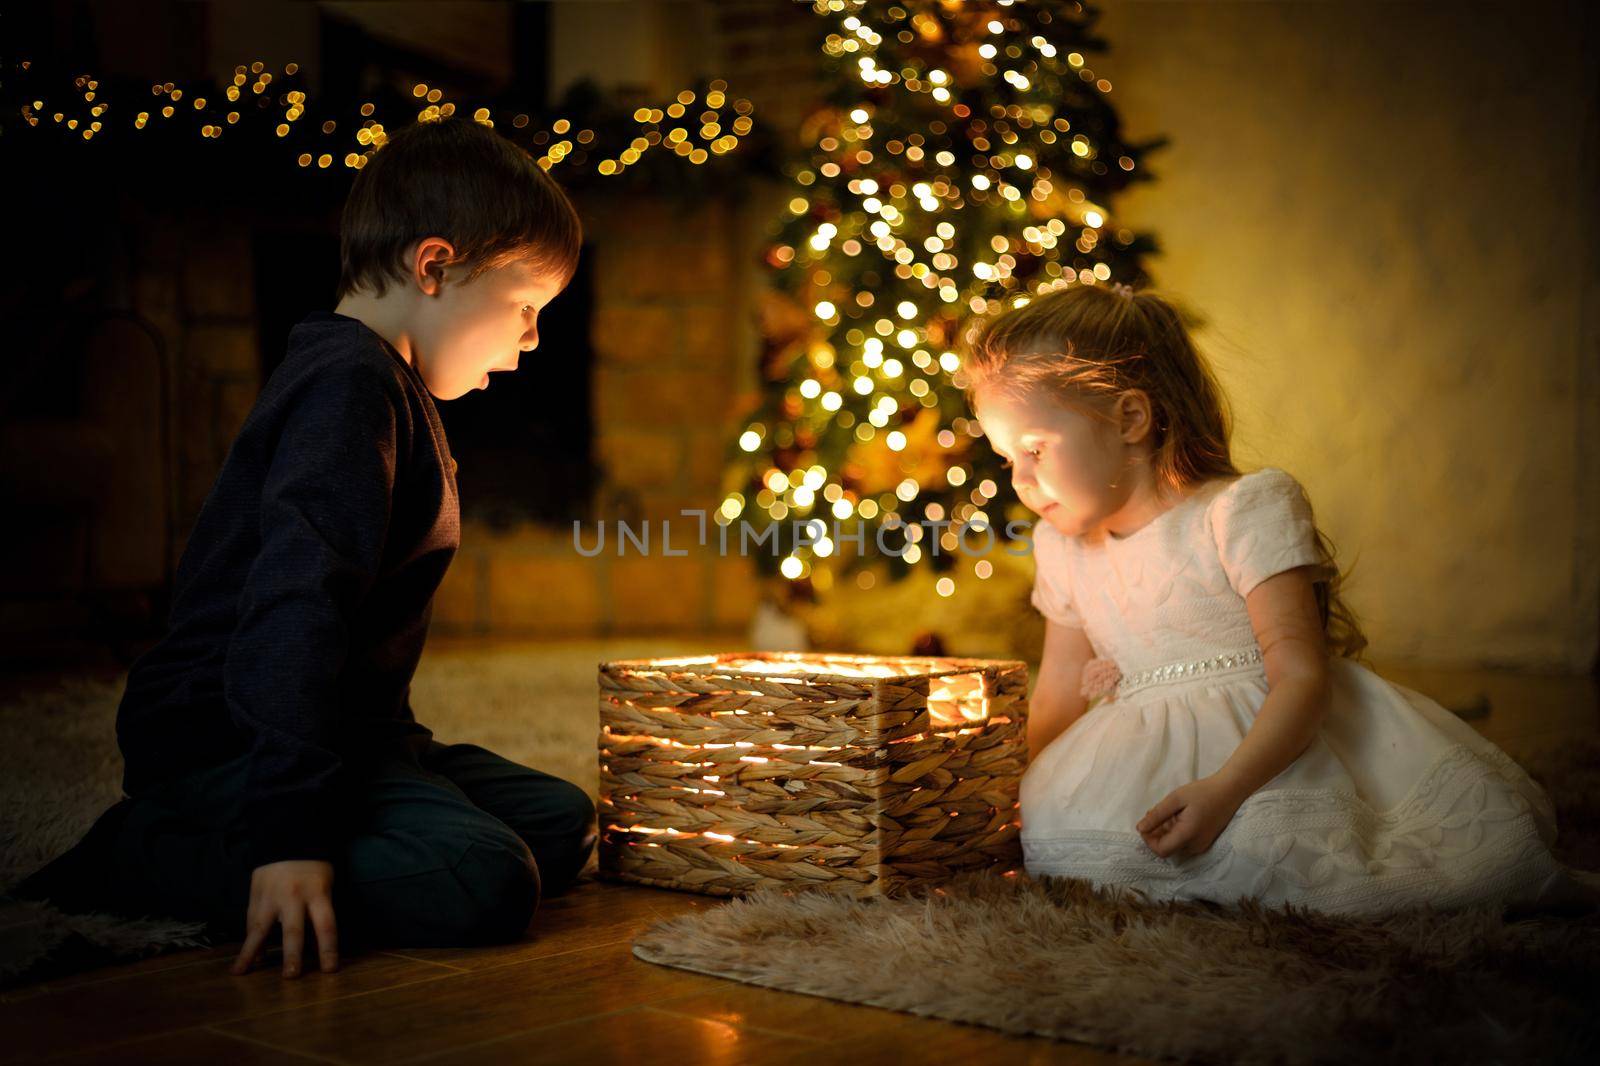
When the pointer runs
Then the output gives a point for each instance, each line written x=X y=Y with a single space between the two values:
x=500 y=891
x=435 y=894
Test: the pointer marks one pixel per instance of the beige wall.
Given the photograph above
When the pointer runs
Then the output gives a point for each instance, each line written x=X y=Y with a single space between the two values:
x=1388 y=213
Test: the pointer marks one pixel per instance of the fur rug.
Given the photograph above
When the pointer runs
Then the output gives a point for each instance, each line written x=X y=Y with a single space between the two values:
x=1192 y=981
x=60 y=768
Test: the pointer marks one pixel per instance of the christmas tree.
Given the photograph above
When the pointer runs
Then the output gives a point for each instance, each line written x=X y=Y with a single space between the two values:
x=966 y=156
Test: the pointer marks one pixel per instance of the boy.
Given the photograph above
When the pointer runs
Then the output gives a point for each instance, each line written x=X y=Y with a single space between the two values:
x=275 y=775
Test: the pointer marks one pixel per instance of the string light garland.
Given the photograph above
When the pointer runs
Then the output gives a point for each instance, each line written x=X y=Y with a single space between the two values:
x=966 y=159
x=697 y=125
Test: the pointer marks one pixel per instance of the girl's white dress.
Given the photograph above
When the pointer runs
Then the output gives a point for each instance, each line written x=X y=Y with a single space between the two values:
x=1395 y=803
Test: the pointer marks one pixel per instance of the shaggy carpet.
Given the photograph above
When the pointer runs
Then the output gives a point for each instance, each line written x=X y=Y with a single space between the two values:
x=60 y=768
x=1192 y=981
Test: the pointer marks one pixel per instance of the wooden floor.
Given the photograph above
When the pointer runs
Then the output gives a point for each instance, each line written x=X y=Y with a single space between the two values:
x=572 y=991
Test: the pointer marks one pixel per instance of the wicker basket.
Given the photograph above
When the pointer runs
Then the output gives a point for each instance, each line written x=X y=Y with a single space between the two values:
x=722 y=774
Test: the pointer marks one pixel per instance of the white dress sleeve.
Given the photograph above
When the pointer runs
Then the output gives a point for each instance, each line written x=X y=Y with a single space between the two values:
x=1263 y=526
x=1052 y=594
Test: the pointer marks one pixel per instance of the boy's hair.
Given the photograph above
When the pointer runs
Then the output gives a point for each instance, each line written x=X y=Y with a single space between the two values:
x=464 y=182
x=1089 y=343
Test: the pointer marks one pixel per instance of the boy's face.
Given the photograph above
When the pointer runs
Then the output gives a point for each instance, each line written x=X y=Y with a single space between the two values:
x=465 y=330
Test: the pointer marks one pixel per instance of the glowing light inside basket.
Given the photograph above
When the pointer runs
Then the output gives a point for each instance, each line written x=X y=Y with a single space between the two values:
x=957 y=703
x=762 y=666
x=842 y=666
x=665 y=742
x=678 y=834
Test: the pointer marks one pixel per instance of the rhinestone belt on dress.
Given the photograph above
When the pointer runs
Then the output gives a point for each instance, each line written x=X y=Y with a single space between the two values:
x=1177 y=671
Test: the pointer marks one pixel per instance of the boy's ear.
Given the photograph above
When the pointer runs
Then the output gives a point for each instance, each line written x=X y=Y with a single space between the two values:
x=428 y=261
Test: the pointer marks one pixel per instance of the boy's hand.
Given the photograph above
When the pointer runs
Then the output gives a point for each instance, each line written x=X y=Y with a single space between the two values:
x=1190 y=818
x=287 y=893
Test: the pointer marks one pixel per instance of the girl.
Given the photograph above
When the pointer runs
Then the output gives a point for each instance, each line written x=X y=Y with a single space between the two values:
x=1237 y=749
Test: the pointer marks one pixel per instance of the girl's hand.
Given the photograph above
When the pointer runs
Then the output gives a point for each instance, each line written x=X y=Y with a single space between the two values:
x=1189 y=820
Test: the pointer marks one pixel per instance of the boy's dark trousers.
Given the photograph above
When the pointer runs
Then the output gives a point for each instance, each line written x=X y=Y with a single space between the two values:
x=452 y=845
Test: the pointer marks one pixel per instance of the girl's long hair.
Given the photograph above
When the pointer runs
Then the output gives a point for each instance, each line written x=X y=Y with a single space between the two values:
x=1088 y=344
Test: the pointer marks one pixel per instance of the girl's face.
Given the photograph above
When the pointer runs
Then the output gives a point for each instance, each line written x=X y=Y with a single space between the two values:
x=469 y=329
x=1066 y=465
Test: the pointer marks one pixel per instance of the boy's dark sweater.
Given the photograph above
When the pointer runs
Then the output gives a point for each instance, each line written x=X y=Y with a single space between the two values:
x=302 y=599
